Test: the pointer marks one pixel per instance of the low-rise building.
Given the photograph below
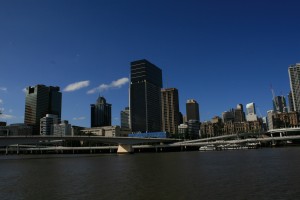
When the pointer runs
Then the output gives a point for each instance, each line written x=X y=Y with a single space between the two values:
x=62 y=129
x=183 y=131
x=282 y=119
x=106 y=131
x=16 y=130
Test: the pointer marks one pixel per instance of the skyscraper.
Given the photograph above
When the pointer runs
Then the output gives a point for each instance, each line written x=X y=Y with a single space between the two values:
x=294 y=75
x=192 y=110
x=145 y=97
x=170 y=110
x=251 y=112
x=100 y=113
x=41 y=100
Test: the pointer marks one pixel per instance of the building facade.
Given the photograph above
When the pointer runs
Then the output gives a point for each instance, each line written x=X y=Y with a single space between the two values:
x=193 y=129
x=279 y=104
x=145 y=97
x=125 y=118
x=46 y=124
x=41 y=100
x=291 y=102
x=278 y=120
x=170 y=110
x=239 y=114
x=183 y=131
x=62 y=129
x=251 y=112
x=228 y=116
x=106 y=131
x=294 y=76
x=16 y=130
x=100 y=113
x=234 y=115
x=192 y=110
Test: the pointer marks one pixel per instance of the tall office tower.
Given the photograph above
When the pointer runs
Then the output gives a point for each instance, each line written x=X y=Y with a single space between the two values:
x=192 y=110
x=100 y=113
x=251 y=112
x=41 y=100
x=145 y=97
x=291 y=103
x=279 y=104
x=125 y=118
x=170 y=110
x=294 y=75
x=239 y=115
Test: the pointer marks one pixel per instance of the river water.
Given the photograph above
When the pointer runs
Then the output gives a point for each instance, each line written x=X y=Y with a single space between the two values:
x=270 y=173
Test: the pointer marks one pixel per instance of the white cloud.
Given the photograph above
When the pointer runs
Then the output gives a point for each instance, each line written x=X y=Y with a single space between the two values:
x=79 y=118
x=76 y=86
x=1 y=101
x=24 y=90
x=4 y=116
x=3 y=89
x=114 y=84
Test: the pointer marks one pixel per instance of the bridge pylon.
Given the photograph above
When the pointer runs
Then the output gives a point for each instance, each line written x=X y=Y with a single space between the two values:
x=125 y=149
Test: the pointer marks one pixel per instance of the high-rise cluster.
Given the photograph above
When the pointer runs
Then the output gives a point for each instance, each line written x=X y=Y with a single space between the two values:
x=281 y=116
x=153 y=108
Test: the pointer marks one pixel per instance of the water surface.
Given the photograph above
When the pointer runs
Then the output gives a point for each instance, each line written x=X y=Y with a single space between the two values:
x=241 y=174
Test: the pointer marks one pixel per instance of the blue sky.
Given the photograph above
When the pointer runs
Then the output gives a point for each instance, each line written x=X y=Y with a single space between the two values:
x=219 y=53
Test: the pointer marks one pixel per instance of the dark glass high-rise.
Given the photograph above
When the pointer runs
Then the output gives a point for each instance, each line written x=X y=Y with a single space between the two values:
x=145 y=97
x=100 y=113
x=192 y=110
x=41 y=100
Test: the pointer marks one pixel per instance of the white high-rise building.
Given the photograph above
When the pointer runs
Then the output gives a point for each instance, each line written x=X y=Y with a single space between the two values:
x=46 y=124
x=294 y=75
x=251 y=112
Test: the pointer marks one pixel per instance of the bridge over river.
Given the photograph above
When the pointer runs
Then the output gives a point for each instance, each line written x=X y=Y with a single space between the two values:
x=124 y=143
x=127 y=144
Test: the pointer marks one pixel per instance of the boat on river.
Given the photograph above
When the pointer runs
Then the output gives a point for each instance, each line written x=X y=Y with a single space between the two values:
x=209 y=147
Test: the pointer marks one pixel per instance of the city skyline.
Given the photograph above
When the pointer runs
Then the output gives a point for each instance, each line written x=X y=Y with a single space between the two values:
x=218 y=53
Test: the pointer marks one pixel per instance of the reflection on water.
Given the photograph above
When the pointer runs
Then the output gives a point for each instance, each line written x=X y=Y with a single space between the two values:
x=244 y=174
